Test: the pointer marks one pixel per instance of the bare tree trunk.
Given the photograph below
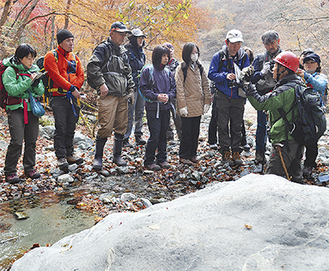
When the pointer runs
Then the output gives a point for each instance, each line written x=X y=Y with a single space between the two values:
x=52 y=32
x=4 y=14
x=66 y=24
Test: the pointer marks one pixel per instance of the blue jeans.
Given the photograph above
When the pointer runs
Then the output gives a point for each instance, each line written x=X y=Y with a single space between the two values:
x=158 y=136
x=261 y=136
x=138 y=108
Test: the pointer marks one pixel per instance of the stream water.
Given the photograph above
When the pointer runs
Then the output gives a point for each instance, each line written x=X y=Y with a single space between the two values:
x=50 y=218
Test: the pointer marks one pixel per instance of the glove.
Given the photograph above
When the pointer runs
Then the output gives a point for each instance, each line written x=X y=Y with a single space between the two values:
x=130 y=98
x=266 y=68
x=183 y=112
x=206 y=108
x=246 y=74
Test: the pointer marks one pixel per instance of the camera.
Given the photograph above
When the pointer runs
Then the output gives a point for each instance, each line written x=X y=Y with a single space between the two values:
x=232 y=83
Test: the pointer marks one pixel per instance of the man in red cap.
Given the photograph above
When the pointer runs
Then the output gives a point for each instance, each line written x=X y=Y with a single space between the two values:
x=66 y=78
x=109 y=72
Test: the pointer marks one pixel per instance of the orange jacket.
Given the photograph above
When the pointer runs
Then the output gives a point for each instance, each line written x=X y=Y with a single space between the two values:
x=62 y=70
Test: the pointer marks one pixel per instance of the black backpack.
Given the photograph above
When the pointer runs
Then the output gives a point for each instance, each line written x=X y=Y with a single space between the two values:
x=311 y=122
x=47 y=82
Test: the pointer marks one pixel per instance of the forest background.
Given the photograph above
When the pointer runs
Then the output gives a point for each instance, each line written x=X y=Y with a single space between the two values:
x=301 y=24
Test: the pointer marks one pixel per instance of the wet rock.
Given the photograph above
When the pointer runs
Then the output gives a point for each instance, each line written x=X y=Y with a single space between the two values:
x=196 y=175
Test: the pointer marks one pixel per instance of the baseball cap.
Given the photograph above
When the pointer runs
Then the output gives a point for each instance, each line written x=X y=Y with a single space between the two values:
x=306 y=52
x=137 y=33
x=119 y=27
x=234 y=36
x=312 y=56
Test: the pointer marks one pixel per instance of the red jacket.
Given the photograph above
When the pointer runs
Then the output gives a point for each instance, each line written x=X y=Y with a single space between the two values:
x=65 y=71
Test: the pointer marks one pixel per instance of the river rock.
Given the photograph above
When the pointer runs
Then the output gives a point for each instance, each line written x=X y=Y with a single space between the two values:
x=65 y=178
x=256 y=223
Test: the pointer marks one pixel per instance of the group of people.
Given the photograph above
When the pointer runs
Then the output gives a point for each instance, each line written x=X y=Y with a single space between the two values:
x=126 y=86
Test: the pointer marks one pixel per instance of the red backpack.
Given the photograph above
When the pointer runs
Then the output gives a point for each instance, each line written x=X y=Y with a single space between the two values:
x=3 y=93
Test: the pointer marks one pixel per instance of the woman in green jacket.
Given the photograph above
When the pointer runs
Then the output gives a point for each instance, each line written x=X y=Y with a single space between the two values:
x=23 y=125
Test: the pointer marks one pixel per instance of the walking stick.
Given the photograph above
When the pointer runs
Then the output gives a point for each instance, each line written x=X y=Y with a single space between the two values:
x=278 y=149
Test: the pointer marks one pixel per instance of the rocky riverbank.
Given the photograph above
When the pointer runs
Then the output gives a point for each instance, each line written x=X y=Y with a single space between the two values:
x=131 y=188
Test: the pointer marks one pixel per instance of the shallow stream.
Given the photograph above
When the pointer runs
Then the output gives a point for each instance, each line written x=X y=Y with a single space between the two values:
x=50 y=218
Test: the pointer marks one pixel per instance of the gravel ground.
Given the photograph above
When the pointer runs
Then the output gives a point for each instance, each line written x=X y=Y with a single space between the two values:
x=131 y=188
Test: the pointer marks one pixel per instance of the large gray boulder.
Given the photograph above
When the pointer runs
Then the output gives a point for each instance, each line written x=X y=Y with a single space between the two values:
x=256 y=223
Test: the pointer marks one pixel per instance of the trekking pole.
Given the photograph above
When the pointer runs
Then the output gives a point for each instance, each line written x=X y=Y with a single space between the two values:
x=278 y=149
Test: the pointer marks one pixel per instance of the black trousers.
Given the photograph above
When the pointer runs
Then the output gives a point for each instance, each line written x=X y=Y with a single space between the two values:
x=158 y=136
x=19 y=132
x=65 y=123
x=190 y=136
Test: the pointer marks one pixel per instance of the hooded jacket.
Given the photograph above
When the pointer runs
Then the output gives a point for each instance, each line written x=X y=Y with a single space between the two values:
x=219 y=75
x=282 y=96
x=17 y=86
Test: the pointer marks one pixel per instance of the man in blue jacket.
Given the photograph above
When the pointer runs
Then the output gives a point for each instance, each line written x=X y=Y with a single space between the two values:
x=224 y=70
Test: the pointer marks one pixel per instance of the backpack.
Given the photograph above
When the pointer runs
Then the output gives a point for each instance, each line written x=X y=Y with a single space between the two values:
x=311 y=122
x=184 y=69
x=266 y=84
x=47 y=82
x=3 y=92
x=222 y=54
x=151 y=79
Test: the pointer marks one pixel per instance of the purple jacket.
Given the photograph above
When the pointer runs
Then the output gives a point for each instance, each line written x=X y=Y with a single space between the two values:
x=162 y=81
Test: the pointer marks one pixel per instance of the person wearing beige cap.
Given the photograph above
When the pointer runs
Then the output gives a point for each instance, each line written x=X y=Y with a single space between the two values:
x=109 y=72
x=224 y=70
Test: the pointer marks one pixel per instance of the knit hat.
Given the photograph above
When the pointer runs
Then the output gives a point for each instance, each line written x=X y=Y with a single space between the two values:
x=63 y=34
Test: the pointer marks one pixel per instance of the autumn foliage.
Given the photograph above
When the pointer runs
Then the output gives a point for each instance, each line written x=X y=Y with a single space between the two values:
x=37 y=21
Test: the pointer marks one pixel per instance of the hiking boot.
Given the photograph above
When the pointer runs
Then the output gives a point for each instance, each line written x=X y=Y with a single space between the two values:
x=33 y=174
x=12 y=178
x=74 y=160
x=226 y=158
x=185 y=161
x=139 y=140
x=153 y=167
x=195 y=159
x=62 y=163
x=237 y=159
x=126 y=144
x=213 y=146
x=164 y=164
x=307 y=172
x=260 y=157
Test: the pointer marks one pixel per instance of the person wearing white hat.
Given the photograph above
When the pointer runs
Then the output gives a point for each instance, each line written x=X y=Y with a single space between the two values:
x=224 y=70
